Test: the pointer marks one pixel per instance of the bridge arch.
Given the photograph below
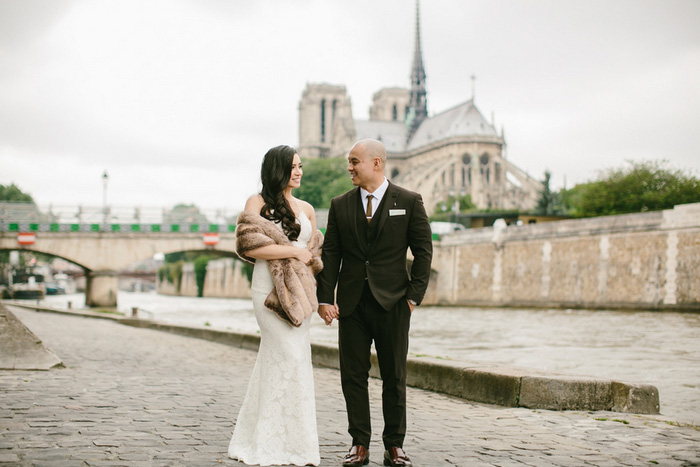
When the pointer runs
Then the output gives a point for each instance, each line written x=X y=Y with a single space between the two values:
x=104 y=254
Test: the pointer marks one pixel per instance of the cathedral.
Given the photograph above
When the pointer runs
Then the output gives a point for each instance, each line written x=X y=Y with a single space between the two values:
x=456 y=152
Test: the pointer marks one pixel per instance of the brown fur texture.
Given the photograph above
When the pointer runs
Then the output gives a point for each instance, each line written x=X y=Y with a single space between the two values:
x=293 y=297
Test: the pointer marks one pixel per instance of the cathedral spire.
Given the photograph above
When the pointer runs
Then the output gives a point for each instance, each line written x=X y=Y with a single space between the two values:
x=418 y=108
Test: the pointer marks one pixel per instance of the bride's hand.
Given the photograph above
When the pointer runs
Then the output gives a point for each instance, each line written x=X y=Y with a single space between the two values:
x=303 y=255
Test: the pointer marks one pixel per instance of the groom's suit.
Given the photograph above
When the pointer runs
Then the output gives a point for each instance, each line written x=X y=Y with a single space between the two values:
x=367 y=261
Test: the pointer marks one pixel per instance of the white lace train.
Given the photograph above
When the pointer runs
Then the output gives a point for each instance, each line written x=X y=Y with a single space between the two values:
x=277 y=421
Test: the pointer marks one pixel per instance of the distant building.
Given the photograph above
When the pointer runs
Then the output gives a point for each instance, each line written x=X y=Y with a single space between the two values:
x=452 y=153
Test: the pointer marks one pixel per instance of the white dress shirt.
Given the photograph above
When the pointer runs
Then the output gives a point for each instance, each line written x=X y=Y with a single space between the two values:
x=376 y=196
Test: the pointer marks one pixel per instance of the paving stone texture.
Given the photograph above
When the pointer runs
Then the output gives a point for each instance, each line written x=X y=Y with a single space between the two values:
x=138 y=397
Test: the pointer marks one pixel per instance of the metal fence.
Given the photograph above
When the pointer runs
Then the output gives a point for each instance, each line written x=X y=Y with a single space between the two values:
x=28 y=217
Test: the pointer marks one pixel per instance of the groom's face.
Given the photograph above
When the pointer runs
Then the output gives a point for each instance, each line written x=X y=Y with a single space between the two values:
x=361 y=167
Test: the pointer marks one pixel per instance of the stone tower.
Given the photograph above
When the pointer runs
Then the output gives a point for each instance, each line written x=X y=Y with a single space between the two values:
x=322 y=109
x=390 y=105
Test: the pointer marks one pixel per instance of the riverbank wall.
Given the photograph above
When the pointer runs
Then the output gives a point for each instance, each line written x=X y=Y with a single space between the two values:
x=636 y=261
x=640 y=261
x=225 y=277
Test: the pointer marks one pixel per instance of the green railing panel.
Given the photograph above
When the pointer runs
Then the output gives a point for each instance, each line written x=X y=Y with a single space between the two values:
x=55 y=228
x=116 y=227
x=213 y=228
x=194 y=228
x=174 y=227
x=135 y=228
x=34 y=227
x=232 y=227
x=75 y=227
x=94 y=227
x=14 y=227
x=155 y=227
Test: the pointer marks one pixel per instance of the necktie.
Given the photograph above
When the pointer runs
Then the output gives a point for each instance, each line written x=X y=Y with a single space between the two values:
x=369 y=208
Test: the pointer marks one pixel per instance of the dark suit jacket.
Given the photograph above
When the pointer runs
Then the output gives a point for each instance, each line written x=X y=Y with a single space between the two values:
x=348 y=258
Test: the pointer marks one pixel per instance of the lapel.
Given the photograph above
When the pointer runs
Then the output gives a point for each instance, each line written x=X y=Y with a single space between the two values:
x=388 y=202
x=351 y=210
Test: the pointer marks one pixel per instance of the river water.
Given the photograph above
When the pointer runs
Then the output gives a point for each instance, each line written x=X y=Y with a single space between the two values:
x=659 y=348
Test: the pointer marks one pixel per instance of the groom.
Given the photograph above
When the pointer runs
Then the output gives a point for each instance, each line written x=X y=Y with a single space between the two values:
x=370 y=228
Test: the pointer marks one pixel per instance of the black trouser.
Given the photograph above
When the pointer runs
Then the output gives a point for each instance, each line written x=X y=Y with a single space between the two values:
x=389 y=331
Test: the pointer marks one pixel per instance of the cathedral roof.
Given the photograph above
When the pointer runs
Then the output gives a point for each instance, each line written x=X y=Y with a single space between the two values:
x=392 y=134
x=461 y=120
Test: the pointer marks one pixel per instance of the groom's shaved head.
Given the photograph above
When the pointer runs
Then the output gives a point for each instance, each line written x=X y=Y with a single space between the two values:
x=373 y=148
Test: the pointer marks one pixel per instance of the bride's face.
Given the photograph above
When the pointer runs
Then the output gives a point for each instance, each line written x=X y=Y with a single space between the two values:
x=297 y=172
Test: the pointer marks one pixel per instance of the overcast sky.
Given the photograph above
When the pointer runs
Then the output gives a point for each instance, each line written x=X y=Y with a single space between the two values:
x=178 y=100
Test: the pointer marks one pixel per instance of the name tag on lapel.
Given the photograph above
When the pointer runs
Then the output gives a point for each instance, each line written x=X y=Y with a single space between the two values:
x=397 y=212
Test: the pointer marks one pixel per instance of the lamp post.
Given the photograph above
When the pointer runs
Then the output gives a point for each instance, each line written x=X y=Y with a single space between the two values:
x=105 y=179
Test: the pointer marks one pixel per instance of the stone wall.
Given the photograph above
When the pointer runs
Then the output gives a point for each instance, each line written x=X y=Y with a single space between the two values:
x=225 y=278
x=648 y=260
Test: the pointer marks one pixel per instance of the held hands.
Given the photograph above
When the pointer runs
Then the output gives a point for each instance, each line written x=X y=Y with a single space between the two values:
x=328 y=313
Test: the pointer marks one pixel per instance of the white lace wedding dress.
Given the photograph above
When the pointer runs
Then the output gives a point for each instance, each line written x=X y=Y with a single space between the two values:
x=277 y=421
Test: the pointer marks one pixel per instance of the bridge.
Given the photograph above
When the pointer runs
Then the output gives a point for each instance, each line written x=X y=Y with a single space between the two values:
x=105 y=240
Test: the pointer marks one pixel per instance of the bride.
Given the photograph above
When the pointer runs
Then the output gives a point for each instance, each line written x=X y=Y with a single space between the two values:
x=277 y=421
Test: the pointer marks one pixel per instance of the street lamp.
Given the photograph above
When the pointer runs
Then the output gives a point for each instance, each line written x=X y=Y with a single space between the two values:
x=105 y=179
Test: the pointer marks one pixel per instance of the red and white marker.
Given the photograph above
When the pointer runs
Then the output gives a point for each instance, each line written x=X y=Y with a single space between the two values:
x=211 y=239
x=26 y=238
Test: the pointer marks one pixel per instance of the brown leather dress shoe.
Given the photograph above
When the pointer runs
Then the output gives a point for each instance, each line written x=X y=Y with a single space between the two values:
x=395 y=457
x=357 y=457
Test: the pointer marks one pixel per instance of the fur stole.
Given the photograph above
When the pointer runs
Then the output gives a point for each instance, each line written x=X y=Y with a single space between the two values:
x=293 y=297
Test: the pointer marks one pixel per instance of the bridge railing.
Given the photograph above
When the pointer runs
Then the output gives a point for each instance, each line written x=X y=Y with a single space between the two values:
x=28 y=217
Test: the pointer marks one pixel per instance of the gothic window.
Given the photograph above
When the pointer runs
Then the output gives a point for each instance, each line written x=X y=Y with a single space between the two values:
x=335 y=103
x=405 y=113
x=485 y=172
x=394 y=113
x=394 y=173
x=466 y=170
x=323 y=120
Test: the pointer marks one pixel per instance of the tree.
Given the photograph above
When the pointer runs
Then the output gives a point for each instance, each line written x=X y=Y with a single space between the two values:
x=200 y=272
x=549 y=202
x=323 y=180
x=13 y=194
x=444 y=210
x=185 y=213
x=644 y=186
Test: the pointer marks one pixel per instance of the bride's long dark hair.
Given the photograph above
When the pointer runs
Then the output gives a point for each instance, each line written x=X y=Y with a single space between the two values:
x=275 y=174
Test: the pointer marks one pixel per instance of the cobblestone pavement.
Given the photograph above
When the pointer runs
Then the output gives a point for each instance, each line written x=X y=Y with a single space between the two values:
x=139 y=397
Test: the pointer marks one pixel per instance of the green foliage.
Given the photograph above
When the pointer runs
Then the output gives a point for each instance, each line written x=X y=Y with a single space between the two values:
x=172 y=272
x=549 y=202
x=247 y=269
x=186 y=256
x=185 y=214
x=13 y=194
x=445 y=211
x=200 y=272
x=643 y=186
x=323 y=180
